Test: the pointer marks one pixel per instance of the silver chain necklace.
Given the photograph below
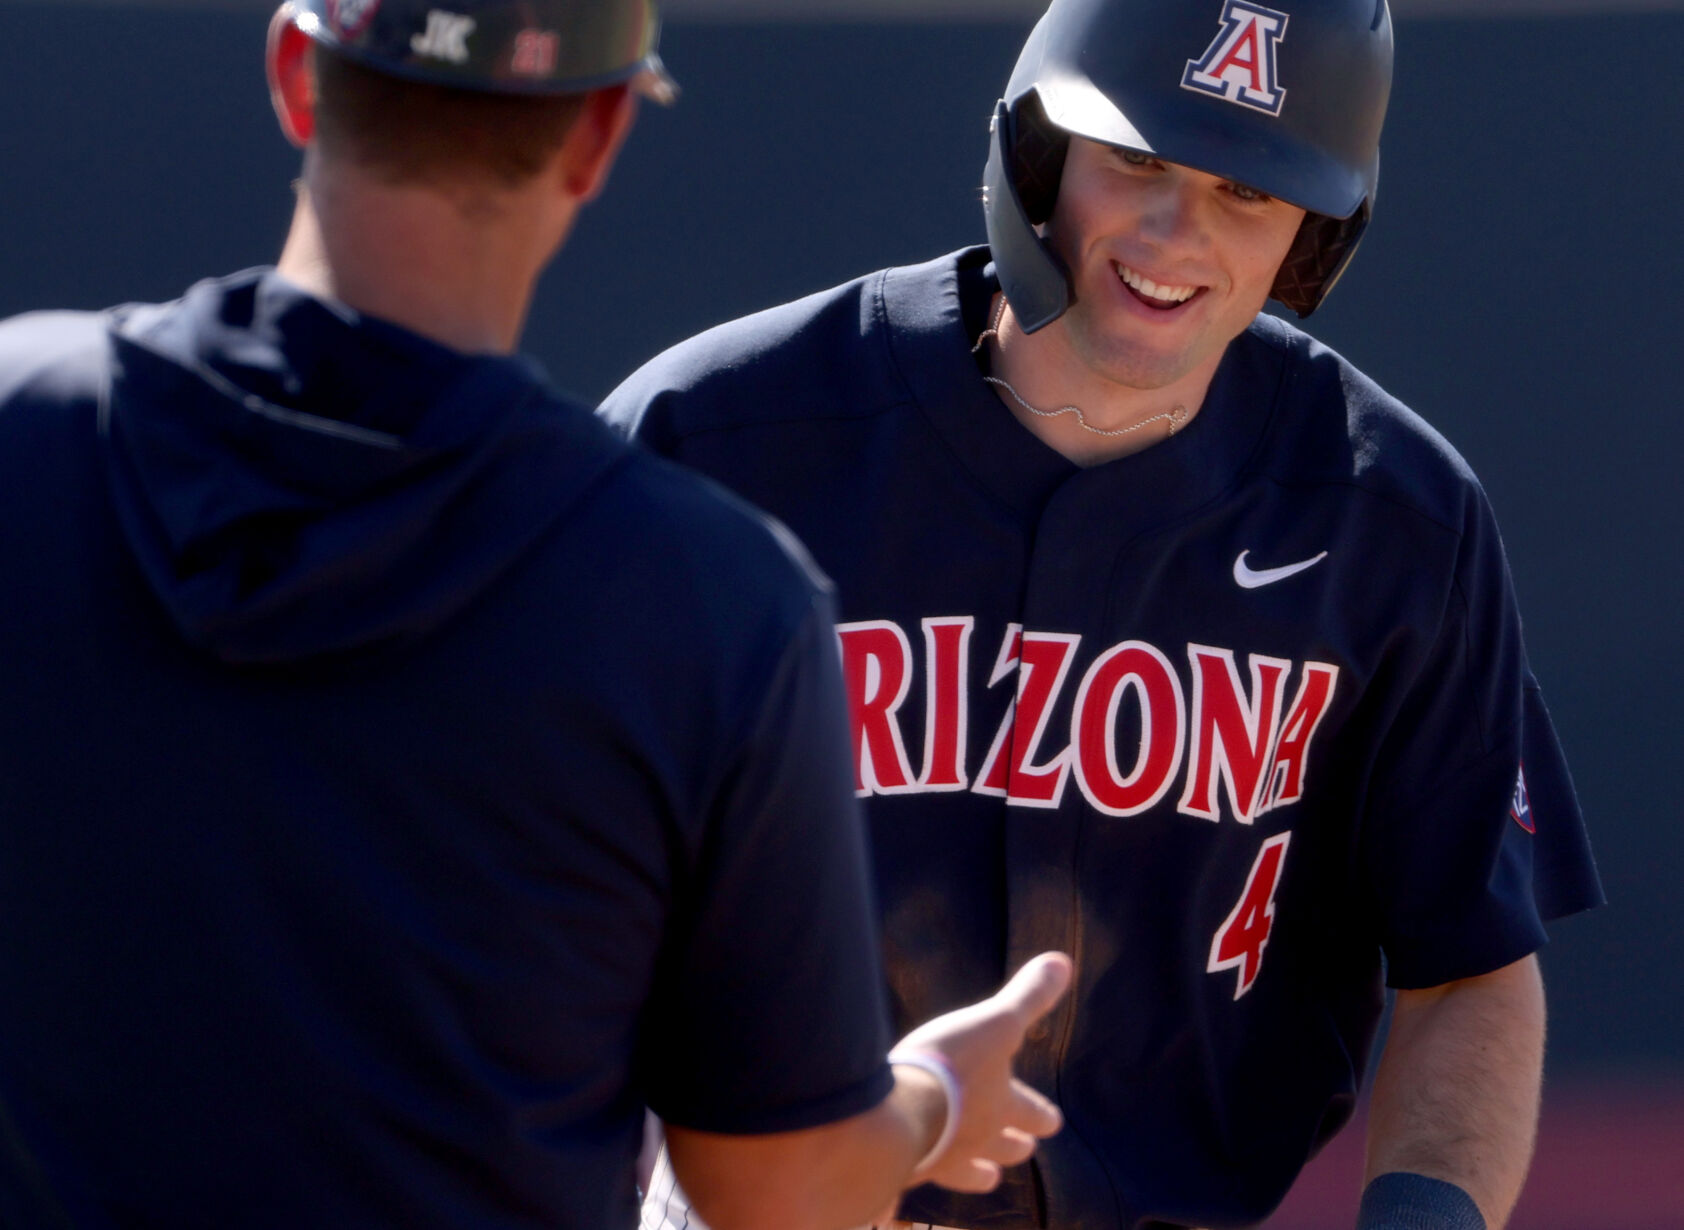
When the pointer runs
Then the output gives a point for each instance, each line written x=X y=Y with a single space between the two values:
x=1174 y=417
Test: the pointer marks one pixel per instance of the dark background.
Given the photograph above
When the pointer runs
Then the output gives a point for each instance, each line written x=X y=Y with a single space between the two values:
x=1519 y=287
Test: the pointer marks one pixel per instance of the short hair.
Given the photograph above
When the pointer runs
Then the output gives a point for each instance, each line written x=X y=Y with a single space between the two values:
x=415 y=132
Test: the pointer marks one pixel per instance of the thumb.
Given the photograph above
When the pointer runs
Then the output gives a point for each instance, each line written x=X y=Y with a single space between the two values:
x=1037 y=987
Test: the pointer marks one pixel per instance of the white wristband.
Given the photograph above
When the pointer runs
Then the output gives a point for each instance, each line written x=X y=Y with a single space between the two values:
x=936 y=1065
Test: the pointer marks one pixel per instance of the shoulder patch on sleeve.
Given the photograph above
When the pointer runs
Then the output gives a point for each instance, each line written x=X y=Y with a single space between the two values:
x=1520 y=806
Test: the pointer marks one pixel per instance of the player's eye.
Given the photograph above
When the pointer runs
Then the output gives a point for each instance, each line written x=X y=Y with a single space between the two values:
x=1246 y=192
x=1137 y=159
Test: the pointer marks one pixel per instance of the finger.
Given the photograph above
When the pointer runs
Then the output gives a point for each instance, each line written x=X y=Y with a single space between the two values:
x=1037 y=987
x=1014 y=1147
x=975 y=1175
x=1034 y=1112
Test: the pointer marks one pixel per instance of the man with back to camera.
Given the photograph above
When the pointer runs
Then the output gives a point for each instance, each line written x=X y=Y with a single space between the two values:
x=1171 y=640
x=403 y=779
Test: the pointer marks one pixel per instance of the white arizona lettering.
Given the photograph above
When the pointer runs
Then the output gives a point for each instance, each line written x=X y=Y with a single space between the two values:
x=445 y=38
x=1230 y=740
x=1240 y=63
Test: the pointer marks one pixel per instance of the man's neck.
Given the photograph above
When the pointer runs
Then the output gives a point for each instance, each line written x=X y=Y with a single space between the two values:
x=1041 y=375
x=418 y=259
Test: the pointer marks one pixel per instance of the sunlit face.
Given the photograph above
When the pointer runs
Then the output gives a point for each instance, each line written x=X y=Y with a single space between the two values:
x=1169 y=264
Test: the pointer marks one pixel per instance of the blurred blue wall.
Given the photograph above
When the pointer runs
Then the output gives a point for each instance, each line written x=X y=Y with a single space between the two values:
x=1519 y=287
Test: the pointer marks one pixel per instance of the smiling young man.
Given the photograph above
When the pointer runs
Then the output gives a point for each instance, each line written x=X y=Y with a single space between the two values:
x=1172 y=641
x=1167 y=266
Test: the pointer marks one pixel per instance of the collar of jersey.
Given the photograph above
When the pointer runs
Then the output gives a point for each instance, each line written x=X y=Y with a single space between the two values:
x=923 y=306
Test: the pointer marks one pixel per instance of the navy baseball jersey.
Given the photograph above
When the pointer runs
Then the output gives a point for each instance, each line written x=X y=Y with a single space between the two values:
x=1243 y=721
x=403 y=781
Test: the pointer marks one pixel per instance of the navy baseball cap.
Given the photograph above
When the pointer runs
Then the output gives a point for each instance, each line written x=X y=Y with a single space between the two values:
x=500 y=46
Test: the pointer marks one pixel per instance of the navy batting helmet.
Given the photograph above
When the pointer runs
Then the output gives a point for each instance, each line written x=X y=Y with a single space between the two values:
x=504 y=46
x=1287 y=100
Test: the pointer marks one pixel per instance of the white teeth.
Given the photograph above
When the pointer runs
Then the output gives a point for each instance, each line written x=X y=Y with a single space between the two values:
x=1149 y=288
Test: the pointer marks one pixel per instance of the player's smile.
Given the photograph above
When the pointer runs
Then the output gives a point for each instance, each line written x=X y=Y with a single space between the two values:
x=1157 y=297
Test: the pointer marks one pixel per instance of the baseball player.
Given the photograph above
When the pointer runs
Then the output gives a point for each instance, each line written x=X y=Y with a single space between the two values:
x=403 y=780
x=1171 y=640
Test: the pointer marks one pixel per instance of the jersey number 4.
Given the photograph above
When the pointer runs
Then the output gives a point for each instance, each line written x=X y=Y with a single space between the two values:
x=1240 y=941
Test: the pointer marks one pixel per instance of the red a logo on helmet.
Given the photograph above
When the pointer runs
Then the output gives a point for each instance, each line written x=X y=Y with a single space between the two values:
x=1240 y=64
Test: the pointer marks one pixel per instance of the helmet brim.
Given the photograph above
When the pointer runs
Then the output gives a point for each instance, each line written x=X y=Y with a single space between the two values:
x=1273 y=162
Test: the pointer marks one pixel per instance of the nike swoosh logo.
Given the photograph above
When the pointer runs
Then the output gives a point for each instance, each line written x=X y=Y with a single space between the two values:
x=1256 y=578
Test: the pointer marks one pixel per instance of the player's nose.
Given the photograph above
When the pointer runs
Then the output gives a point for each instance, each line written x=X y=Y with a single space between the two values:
x=1173 y=212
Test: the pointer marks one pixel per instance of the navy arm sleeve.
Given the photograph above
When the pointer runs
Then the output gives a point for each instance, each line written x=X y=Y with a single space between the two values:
x=770 y=1014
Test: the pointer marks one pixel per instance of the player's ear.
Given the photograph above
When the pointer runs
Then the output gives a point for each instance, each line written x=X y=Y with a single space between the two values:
x=292 y=89
x=594 y=141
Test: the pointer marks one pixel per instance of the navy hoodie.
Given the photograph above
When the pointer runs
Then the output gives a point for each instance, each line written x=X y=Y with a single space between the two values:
x=402 y=781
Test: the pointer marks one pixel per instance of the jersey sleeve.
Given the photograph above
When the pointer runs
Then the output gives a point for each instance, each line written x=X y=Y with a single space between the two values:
x=644 y=405
x=770 y=1014
x=624 y=410
x=1473 y=837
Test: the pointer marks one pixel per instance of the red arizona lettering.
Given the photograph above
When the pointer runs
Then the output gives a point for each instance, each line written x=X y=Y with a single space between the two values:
x=1045 y=661
x=994 y=776
x=1286 y=772
x=1230 y=737
x=877 y=670
x=1163 y=723
x=947 y=645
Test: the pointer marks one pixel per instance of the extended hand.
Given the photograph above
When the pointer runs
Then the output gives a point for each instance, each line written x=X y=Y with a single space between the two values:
x=1000 y=1118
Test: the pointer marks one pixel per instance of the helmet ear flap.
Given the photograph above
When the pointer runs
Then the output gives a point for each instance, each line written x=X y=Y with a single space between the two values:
x=1038 y=151
x=1019 y=187
x=1319 y=254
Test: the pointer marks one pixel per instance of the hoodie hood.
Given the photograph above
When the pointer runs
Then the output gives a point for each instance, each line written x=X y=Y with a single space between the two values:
x=296 y=479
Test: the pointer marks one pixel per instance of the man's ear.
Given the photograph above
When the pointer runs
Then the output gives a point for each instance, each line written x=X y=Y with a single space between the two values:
x=594 y=140
x=292 y=90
